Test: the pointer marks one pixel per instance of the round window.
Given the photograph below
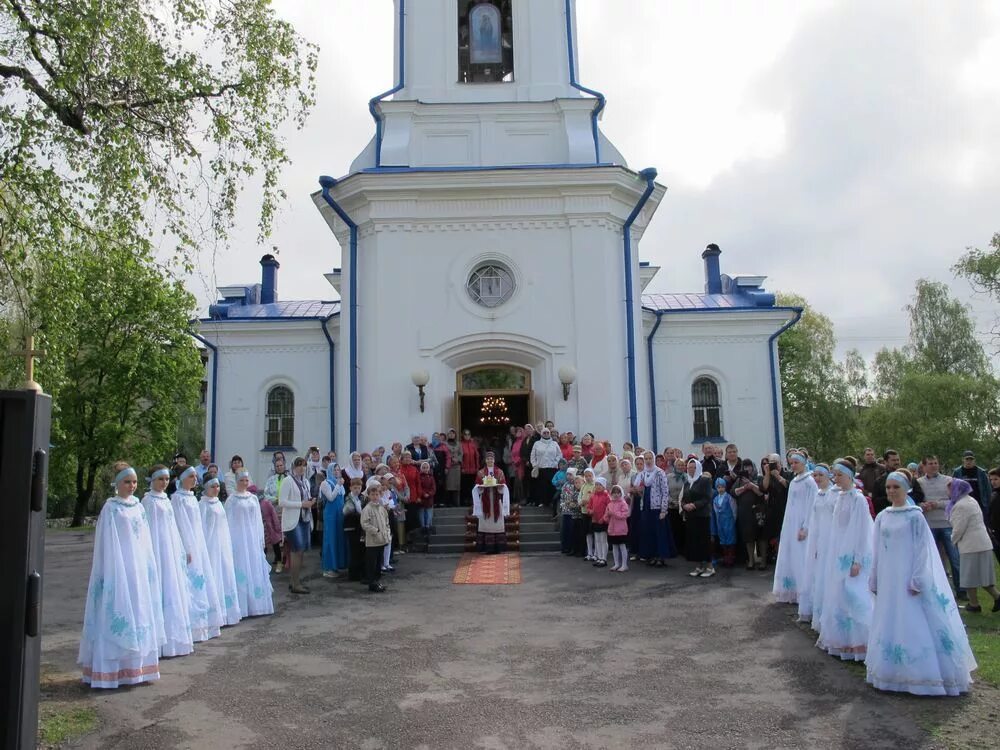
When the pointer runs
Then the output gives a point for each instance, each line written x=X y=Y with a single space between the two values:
x=490 y=285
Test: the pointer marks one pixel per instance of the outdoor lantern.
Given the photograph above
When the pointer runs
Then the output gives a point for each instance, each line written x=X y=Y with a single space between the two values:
x=567 y=376
x=420 y=378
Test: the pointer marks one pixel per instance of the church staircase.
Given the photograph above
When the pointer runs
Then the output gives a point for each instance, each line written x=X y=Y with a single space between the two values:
x=529 y=529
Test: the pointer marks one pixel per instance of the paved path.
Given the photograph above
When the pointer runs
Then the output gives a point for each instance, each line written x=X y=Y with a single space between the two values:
x=572 y=658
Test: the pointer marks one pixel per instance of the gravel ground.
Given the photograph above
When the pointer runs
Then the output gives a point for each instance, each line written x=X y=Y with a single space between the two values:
x=572 y=658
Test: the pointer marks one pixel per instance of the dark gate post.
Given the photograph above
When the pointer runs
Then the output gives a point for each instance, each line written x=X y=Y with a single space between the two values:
x=24 y=443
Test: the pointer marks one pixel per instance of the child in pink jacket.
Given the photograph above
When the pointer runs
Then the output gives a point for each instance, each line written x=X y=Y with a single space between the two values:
x=615 y=517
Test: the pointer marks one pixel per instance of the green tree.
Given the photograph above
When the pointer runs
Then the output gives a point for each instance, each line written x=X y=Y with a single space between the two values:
x=856 y=378
x=140 y=118
x=942 y=332
x=815 y=398
x=122 y=366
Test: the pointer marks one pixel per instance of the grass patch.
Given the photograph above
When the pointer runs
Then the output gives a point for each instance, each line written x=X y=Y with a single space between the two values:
x=60 y=722
x=984 y=637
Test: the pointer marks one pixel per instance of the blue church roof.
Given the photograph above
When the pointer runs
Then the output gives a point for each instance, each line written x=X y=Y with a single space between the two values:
x=286 y=310
x=697 y=301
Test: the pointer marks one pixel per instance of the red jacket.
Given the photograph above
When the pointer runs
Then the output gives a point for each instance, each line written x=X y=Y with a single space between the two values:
x=428 y=489
x=470 y=457
x=567 y=450
x=411 y=473
x=599 y=500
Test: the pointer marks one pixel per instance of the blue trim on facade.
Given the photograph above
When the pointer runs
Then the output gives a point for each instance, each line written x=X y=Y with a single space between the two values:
x=333 y=390
x=696 y=310
x=327 y=183
x=652 y=377
x=649 y=175
x=601 y=100
x=375 y=100
x=772 y=360
x=215 y=389
x=267 y=319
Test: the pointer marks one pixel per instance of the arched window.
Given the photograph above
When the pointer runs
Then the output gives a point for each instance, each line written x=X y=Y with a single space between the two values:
x=485 y=41
x=280 y=417
x=707 y=410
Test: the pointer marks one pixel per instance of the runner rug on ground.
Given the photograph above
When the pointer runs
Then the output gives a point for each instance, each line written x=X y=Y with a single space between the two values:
x=489 y=569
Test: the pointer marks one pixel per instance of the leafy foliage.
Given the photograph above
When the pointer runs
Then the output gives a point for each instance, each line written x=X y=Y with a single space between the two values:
x=942 y=333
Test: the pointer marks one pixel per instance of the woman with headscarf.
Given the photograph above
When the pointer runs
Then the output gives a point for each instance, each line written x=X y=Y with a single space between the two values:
x=696 y=505
x=635 y=492
x=817 y=545
x=296 y=521
x=453 y=482
x=219 y=543
x=354 y=470
x=789 y=571
x=676 y=480
x=206 y=617
x=655 y=541
x=123 y=620
x=253 y=583
x=751 y=514
x=587 y=445
x=613 y=474
x=599 y=460
x=847 y=602
x=331 y=498
x=917 y=642
x=975 y=548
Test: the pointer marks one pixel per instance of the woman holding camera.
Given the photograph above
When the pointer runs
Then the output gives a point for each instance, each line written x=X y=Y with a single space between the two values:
x=751 y=514
x=296 y=521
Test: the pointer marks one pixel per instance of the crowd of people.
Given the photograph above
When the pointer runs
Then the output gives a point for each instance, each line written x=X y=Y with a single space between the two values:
x=843 y=537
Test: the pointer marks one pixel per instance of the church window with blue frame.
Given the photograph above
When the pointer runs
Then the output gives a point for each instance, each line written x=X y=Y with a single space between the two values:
x=280 y=417
x=707 y=409
x=485 y=41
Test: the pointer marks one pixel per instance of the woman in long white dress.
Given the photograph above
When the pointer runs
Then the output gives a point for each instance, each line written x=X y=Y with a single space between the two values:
x=220 y=552
x=206 y=617
x=918 y=643
x=171 y=562
x=847 y=602
x=123 y=617
x=817 y=544
x=789 y=570
x=246 y=528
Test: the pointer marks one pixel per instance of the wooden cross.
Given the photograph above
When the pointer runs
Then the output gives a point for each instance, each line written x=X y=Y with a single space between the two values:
x=30 y=354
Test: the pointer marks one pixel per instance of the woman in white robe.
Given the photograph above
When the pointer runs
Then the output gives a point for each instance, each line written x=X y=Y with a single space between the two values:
x=789 y=570
x=918 y=642
x=847 y=602
x=171 y=562
x=123 y=618
x=817 y=543
x=246 y=528
x=220 y=552
x=206 y=616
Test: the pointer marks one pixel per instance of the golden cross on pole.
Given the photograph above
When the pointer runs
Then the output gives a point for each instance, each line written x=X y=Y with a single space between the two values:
x=30 y=354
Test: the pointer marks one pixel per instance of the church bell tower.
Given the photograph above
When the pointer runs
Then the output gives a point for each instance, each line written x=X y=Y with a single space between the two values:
x=486 y=83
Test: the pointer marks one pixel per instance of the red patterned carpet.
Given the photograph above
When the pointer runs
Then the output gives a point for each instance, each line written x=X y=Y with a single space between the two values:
x=489 y=569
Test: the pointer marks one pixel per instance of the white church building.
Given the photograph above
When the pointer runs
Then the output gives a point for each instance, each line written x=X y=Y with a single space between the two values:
x=491 y=273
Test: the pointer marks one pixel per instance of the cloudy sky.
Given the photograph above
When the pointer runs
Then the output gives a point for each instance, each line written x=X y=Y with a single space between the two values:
x=844 y=149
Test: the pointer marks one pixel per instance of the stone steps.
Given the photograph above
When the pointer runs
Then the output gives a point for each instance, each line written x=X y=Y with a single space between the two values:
x=537 y=532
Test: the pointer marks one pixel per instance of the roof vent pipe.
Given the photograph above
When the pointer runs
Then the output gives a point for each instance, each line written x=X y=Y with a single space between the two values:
x=713 y=276
x=269 y=279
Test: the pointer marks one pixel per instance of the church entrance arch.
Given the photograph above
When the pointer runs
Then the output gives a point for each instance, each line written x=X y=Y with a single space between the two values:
x=490 y=398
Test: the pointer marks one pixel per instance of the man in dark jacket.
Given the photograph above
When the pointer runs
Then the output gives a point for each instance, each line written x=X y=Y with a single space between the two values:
x=978 y=478
x=879 y=497
x=870 y=472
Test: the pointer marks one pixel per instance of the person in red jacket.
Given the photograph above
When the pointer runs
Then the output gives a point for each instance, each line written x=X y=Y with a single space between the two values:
x=426 y=490
x=470 y=466
x=599 y=501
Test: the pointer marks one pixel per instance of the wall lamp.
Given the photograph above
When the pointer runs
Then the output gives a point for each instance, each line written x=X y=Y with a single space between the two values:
x=567 y=376
x=420 y=378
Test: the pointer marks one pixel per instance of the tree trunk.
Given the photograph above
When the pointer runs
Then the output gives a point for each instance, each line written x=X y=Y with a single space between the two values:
x=84 y=492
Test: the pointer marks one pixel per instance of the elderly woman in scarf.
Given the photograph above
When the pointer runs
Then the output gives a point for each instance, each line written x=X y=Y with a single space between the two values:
x=656 y=543
x=696 y=504
x=975 y=548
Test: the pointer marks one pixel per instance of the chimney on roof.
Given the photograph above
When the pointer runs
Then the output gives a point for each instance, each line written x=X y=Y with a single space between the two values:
x=269 y=279
x=713 y=275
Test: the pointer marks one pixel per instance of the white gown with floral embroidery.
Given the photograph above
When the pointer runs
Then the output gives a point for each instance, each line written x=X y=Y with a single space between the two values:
x=171 y=561
x=817 y=543
x=253 y=573
x=220 y=555
x=123 y=617
x=789 y=570
x=846 y=613
x=206 y=617
x=918 y=642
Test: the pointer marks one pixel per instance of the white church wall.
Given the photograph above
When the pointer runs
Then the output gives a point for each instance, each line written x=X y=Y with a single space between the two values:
x=731 y=348
x=253 y=358
x=415 y=257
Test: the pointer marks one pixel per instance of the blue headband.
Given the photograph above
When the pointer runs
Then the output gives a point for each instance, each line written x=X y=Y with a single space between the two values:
x=125 y=473
x=157 y=474
x=188 y=472
x=898 y=476
x=213 y=482
x=720 y=482
x=797 y=457
x=822 y=470
x=844 y=469
x=242 y=473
